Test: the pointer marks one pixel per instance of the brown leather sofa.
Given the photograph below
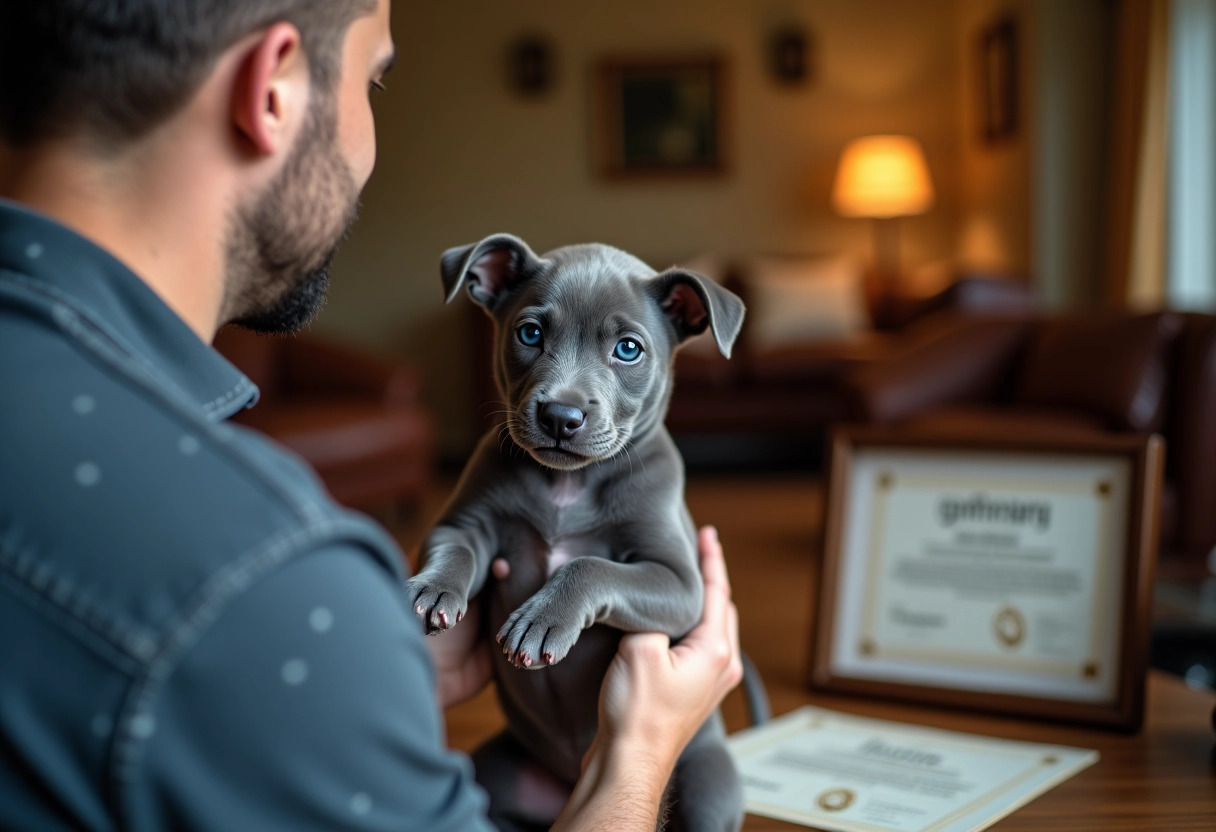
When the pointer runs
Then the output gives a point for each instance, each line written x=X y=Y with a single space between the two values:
x=797 y=389
x=1108 y=371
x=354 y=418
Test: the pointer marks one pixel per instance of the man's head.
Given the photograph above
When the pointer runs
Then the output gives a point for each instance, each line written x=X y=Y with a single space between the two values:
x=278 y=87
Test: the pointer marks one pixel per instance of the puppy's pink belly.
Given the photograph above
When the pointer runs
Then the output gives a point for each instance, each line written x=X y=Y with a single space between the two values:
x=557 y=556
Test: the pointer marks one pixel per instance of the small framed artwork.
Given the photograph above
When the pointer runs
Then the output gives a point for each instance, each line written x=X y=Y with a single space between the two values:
x=998 y=80
x=530 y=65
x=789 y=58
x=660 y=117
x=998 y=574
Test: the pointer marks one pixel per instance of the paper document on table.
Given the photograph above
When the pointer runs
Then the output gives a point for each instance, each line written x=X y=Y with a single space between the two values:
x=843 y=773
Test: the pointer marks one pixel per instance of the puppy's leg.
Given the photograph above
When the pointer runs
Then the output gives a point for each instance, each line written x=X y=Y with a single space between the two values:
x=455 y=563
x=456 y=554
x=706 y=795
x=523 y=796
x=658 y=590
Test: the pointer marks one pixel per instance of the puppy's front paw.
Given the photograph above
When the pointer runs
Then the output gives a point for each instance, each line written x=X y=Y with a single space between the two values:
x=540 y=632
x=439 y=605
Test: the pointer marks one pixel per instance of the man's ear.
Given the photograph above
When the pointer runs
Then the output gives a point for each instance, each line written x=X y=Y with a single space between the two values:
x=693 y=302
x=493 y=268
x=270 y=92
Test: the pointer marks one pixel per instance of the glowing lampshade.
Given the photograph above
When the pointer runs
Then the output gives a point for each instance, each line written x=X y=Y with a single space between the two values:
x=882 y=176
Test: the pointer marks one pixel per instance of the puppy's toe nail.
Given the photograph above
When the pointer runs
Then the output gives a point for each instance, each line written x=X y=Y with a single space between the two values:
x=459 y=616
x=527 y=661
x=419 y=609
x=498 y=638
x=548 y=657
x=443 y=618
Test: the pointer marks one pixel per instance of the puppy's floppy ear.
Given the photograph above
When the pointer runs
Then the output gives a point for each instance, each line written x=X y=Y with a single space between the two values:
x=492 y=268
x=693 y=302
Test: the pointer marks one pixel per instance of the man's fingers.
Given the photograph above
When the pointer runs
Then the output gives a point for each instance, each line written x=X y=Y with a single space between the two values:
x=736 y=652
x=713 y=629
x=643 y=646
x=713 y=563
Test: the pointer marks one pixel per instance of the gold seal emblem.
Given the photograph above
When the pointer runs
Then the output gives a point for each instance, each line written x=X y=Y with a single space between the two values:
x=1009 y=626
x=835 y=800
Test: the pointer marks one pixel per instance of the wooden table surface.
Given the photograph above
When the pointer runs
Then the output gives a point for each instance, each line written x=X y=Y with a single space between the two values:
x=1160 y=780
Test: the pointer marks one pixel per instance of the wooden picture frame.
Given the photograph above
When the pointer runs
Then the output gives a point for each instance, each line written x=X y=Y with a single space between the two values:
x=789 y=56
x=657 y=118
x=530 y=66
x=863 y=628
x=998 y=81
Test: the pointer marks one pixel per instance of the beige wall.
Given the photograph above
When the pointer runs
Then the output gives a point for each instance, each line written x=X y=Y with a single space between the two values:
x=1072 y=77
x=462 y=157
x=1036 y=205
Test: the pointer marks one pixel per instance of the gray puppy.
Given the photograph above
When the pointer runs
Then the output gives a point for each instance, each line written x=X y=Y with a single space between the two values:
x=582 y=495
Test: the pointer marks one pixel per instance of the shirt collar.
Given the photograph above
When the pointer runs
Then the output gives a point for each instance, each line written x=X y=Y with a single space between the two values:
x=115 y=299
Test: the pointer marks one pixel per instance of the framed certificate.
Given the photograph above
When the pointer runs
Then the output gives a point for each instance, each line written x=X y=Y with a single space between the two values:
x=997 y=573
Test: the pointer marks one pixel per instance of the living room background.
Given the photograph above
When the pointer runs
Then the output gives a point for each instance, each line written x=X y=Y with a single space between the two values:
x=462 y=155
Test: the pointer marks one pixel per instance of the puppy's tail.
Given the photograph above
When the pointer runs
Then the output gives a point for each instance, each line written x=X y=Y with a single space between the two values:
x=758 y=708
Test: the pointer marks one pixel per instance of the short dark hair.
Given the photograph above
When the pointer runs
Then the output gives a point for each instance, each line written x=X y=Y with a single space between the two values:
x=116 y=69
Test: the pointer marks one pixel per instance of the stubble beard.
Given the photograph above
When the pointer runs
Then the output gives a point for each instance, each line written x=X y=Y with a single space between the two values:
x=280 y=247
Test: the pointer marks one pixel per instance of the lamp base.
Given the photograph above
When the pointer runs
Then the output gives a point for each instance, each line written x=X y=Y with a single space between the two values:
x=886 y=247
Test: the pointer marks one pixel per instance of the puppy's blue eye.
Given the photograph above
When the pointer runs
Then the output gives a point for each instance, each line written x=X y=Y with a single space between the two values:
x=627 y=350
x=529 y=335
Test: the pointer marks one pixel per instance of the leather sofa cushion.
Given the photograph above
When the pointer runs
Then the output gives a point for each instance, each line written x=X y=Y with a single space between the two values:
x=988 y=420
x=1113 y=367
x=794 y=365
x=705 y=369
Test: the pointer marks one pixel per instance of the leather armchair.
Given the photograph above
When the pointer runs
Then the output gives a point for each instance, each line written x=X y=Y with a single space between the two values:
x=356 y=419
x=1109 y=371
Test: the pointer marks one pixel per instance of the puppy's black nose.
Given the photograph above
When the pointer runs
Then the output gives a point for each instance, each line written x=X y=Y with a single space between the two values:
x=561 y=421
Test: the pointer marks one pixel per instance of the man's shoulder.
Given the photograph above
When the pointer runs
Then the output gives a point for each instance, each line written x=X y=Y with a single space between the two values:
x=122 y=508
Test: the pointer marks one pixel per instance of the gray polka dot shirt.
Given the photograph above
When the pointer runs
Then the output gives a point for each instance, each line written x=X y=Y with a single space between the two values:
x=192 y=635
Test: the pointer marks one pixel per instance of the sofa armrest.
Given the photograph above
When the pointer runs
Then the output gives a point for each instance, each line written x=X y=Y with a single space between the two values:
x=313 y=367
x=973 y=295
x=953 y=358
x=1192 y=455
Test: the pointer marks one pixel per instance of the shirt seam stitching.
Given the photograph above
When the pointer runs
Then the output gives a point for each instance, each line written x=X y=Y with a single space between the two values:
x=75 y=622
x=305 y=510
x=204 y=607
x=86 y=312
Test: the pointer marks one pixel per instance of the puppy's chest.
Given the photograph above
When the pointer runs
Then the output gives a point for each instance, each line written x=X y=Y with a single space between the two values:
x=568 y=524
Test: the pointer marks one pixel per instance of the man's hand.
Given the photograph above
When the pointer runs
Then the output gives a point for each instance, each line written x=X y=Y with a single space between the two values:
x=653 y=700
x=655 y=695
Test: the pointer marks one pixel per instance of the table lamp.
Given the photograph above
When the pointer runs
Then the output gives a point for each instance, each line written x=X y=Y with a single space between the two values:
x=883 y=178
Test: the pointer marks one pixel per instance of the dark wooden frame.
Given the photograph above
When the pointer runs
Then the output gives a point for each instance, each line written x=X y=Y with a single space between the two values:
x=608 y=125
x=999 y=108
x=789 y=56
x=1126 y=713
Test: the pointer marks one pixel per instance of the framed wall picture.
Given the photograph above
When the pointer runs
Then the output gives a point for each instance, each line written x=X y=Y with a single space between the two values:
x=998 y=80
x=1000 y=574
x=789 y=55
x=660 y=117
x=530 y=65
